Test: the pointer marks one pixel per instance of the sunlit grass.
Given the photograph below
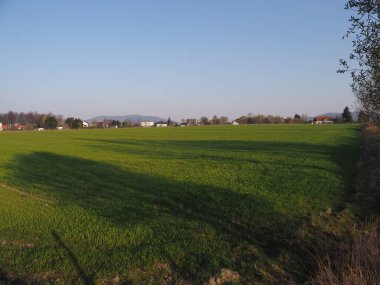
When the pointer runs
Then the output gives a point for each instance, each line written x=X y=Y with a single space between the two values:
x=107 y=203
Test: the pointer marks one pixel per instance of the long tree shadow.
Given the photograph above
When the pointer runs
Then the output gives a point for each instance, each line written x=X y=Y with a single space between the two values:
x=295 y=159
x=88 y=280
x=10 y=280
x=227 y=150
x=126 y=198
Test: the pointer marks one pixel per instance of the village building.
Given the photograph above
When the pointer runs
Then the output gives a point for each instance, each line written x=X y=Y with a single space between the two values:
x=107 y=123
x=147 y=124
x=323 y=120
x=161 y=124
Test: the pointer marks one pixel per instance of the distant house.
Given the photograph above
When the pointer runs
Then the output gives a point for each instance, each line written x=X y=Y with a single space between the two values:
x=85 y=124
x=7 y=127
x=147 y=124
x=107 y=123
x=1 y=126
x=191 y=122
x=161 y=124
x=96 y=124
x=235 y=123
x=19 y=127
x=60 y=128
x=323 y=120
x=40 y=129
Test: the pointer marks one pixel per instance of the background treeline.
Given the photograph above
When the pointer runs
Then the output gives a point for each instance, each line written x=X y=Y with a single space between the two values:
x=270 y=119
x=30 y=120
x=249 y=119
x=33 y=120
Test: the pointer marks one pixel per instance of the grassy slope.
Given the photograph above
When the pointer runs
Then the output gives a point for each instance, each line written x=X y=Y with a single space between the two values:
x=123 y=202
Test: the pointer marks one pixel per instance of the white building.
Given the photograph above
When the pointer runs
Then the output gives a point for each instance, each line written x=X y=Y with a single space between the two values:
x=324 y=122
x=1 y=126
x=234 y=123
x=161 y=125
x=147 y=124
x=85 y=124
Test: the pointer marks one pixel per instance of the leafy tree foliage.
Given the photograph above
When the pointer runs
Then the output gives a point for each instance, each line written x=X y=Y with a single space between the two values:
x=51 y=123
x=204 y=120
x=28 y=120
x=128 y=123
x=363 y=117
x=74 y=123
x=223 y=120
x=116 y=123
x=365 y=28
x=270 y=119
x=346 y=115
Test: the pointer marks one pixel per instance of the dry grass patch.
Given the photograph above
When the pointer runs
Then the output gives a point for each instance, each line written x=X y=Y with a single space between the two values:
x=356 y=263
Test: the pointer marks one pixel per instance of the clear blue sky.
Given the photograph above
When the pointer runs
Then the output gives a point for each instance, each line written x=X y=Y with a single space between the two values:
x=178 y=58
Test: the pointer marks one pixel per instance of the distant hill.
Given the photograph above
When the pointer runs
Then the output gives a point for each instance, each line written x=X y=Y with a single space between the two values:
x=133 y=118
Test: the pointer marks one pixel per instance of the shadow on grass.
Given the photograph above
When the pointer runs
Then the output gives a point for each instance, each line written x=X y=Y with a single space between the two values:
x=8 y=280
x=125 y=198
x=288 y=161
x=86 y=279
x=228 y=150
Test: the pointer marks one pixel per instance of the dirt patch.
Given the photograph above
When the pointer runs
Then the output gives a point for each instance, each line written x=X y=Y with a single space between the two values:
x=37 y=278
x=19 y=243
x=158 y=274
x=226 y=276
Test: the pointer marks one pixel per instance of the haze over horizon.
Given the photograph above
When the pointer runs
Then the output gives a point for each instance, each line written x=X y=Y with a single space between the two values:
x=173 y=58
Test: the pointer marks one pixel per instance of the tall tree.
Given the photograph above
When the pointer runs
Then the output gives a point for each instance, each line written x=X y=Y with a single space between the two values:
x=215 y=120
x=41 y=121
x=362 y=117
x=51 y=123
x=346 y=115
x=116 y=123
x=204 y=120
x=223 y=120
x=11 y=118
x=73 y=123
x=365 y=28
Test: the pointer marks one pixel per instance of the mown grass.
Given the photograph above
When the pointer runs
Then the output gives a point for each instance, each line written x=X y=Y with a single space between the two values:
x=127 y=204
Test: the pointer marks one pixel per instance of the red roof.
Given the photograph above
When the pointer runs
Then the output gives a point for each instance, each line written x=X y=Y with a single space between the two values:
x=324 y=118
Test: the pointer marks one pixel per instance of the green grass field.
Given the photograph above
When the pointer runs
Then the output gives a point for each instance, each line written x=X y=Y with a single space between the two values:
x=134 y=205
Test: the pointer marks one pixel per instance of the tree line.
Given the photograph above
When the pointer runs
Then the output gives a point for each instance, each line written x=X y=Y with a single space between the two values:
x=271 y=119
x=31 y=120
